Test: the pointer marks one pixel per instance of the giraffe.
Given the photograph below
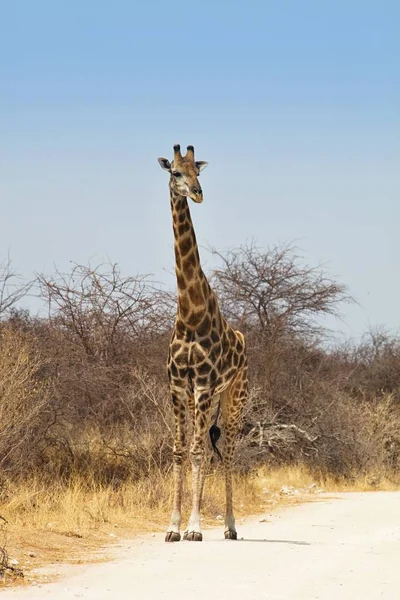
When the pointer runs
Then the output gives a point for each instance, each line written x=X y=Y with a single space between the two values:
x=207 y=360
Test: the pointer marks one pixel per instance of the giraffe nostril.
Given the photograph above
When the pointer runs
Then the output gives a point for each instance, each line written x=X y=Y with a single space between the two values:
x=196 y=190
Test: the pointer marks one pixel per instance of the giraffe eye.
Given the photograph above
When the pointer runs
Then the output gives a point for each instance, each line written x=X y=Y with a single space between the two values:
x=177 y=174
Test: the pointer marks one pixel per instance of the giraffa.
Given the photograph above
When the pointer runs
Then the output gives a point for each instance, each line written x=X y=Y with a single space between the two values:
x=207 y=361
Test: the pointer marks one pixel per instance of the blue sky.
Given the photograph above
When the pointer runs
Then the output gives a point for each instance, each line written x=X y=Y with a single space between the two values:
x=296 y=106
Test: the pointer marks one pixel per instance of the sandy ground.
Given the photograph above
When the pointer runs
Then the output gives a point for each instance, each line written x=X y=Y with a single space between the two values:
x=345 y=547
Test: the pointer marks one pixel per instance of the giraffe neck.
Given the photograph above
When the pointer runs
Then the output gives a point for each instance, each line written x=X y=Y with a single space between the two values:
x=193 y=287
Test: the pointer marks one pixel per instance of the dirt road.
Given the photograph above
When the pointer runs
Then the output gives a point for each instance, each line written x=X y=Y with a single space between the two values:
x=342 y=548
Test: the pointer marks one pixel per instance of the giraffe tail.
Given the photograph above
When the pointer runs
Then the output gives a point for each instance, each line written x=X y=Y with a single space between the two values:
x=215 y=434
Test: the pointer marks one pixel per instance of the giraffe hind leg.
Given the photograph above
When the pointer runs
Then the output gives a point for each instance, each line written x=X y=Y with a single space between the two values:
x=232 y=403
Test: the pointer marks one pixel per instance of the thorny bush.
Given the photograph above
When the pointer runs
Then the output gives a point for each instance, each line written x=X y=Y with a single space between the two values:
x=84 y=390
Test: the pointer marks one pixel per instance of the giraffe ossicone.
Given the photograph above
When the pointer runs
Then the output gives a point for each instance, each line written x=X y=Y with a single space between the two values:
x=207 y=360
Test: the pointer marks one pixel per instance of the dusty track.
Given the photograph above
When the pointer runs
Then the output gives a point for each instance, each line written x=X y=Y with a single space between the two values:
x=347 y=548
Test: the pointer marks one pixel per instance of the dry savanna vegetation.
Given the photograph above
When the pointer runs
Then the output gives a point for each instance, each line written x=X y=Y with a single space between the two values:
x=85 y=421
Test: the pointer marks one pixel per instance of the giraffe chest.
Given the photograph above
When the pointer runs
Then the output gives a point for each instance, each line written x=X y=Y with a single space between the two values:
x=204 y=362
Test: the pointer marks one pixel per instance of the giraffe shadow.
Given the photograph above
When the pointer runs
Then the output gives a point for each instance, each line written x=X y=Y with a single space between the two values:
x=266 y=541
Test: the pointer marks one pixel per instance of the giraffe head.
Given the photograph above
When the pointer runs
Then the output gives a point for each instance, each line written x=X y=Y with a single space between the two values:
x=184 y=172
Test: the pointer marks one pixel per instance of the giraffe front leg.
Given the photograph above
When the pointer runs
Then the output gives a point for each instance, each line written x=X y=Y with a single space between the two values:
x=197 y=457
x=205 y=462
x=209 y=451
x=179 y=406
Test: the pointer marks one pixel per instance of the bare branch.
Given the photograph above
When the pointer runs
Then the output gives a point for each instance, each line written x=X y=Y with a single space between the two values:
x=12 y=290
x=272 y=291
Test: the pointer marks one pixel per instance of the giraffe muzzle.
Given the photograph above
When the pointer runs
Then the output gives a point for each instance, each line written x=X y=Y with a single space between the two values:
x=196 y=194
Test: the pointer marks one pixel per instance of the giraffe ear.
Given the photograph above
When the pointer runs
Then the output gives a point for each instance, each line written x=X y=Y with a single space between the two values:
x=201 y=164
x=165 y=164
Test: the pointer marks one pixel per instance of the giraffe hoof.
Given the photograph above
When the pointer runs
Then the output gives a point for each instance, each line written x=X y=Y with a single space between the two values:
x=230 y=535
x=193 y=536
x=172 y=536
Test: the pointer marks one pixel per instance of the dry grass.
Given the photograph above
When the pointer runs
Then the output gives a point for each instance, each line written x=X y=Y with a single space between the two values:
x=69 y=523
x=301 y=477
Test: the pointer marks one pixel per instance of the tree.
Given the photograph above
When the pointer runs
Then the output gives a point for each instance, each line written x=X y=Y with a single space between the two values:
x=101 y=309
x=271 y=291
x=11 y=289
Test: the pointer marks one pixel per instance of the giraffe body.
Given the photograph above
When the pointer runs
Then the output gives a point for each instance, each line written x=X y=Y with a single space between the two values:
x=207 y=361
